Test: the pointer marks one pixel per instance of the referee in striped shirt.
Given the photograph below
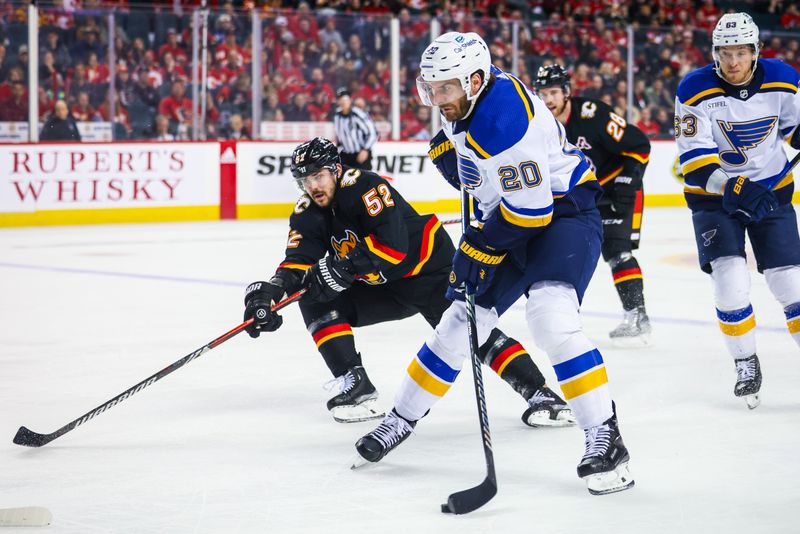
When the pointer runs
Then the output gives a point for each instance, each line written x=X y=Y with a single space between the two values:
x=355 y=132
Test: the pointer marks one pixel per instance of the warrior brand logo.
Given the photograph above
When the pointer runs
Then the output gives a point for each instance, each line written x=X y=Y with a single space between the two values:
x=708 y=236
x=124 y=396
x=743 y=136
x=253 y=287
x=343 y=246
x=261 y=313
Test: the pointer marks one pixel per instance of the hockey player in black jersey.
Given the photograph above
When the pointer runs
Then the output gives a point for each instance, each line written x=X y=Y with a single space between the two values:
x=365 y=256
x=619 y=153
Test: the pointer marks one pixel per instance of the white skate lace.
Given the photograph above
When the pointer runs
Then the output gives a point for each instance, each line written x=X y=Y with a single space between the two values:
x=746 y=369
x=540 y=397
x=391 y=430
x=342 y=384
x=598 y=438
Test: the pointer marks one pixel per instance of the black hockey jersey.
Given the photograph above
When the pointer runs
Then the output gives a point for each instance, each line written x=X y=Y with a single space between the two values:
x=366 y=213
x=613 y=146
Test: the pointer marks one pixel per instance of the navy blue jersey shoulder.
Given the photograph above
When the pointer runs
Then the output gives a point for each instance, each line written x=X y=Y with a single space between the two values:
x=778 y=74
x=703 y=81
x=501 y=117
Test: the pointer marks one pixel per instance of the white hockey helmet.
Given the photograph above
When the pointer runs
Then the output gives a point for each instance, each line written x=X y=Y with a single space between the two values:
x=450 y=56
x=734 y=29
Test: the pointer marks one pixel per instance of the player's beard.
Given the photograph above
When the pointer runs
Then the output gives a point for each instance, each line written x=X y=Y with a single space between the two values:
x=454 y=111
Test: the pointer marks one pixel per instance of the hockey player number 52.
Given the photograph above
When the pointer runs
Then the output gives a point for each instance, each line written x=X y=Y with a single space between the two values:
x=372 y=199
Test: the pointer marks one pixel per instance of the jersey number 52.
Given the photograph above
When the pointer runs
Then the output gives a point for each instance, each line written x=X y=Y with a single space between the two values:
x=372 y=199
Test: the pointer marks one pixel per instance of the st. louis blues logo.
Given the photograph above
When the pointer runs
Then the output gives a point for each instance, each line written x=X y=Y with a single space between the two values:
x=743 y=136
x=468 y=173
x=708 y=236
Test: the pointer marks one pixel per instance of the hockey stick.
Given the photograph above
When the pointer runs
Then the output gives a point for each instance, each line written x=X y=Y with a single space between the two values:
x=468 y=500
x=792 y=164
x=29 y=438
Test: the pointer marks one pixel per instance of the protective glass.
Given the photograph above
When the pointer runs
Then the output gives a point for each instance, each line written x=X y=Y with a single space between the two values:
x=439 y=92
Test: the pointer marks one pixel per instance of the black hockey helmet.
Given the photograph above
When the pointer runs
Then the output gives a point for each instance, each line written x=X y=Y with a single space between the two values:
x=313 y=156
x=552 y=76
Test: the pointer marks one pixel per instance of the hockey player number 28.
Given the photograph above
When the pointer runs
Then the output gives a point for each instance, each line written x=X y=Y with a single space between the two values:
x=373 y=201
x=616 y=126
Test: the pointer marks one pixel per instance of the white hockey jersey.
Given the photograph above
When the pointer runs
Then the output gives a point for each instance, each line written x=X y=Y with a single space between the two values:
x=515 y=161
x=740 y=129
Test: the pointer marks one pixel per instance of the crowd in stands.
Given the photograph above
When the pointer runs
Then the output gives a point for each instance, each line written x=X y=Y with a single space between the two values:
x=312 y=48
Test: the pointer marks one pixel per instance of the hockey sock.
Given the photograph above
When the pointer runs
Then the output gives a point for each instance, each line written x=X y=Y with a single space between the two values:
x=738 y=327
x=628 y=281
x=336 y=344
x=509 y=359
x=792 y=313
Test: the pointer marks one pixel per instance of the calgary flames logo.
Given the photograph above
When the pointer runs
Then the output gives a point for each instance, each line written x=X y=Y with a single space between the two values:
x=344 y=246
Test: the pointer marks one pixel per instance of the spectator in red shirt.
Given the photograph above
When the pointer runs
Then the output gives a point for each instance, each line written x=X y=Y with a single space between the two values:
x=15 y=109
x=177 y=107
x=96 y=72
x=647 y=125
x=791 y=18
x=172 y=46
x=320 y=107
x=83 y=111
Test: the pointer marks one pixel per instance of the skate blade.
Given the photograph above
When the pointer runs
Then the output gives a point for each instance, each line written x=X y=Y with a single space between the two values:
x=356 y=413
x=359 y=463
x=632 y=342
x=542 y=419
x=753 y=401
x=614 y=481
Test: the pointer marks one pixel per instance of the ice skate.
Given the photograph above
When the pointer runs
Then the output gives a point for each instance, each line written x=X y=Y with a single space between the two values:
x=634 y=330
x=392 y=431
x=748 y=380
x=356 y=398
x=604 y=465
x=546 y=408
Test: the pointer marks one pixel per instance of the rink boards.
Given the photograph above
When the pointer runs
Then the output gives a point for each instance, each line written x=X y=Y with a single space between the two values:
x=95 y=183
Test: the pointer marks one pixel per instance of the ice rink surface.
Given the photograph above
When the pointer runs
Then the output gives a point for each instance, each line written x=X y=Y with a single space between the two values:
x=239 y=440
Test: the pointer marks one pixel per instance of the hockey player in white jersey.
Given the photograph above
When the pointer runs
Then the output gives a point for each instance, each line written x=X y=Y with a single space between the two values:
x=731 y=119
x=535 y=196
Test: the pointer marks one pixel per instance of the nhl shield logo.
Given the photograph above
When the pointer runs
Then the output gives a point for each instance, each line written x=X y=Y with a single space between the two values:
x=743 y=93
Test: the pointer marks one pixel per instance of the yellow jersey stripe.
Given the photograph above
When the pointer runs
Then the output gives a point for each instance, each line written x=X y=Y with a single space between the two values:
x=794 y=325
x=522 y=95
x=638 y=157
x=697 y=163
x=782 y=85
x=626 y=278
x=585 y=383
x=738 y=329
x=526 y=222
x=425 y=380
x=477 y=147
x=702 y=94
x=334 y=335
x=786 y=181
x=508 y=360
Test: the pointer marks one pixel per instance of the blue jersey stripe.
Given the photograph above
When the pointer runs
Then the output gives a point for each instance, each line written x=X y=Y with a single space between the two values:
x=791 y=311
x=436 y=365
x=527 y=212
x=736 y=315
x=578 y=364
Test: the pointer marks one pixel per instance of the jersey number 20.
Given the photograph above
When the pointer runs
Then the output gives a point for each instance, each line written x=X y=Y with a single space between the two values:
x=527 y=172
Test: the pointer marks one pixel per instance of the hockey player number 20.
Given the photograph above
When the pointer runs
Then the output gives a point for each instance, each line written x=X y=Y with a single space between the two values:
x=528 y=172
x=372 y=199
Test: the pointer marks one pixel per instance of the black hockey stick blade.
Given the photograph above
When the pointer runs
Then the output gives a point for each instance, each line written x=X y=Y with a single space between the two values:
x=469 y=500
x=29 y=438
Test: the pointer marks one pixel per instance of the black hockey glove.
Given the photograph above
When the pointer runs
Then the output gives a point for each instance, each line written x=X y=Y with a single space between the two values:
x=623 y=196
x=443 y=155
x=327 y=278
x=748 y=201
x=475 y=262
x=258 y=300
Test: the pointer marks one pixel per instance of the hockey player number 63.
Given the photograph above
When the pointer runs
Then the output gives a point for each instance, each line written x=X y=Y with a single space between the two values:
x=373 y=202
